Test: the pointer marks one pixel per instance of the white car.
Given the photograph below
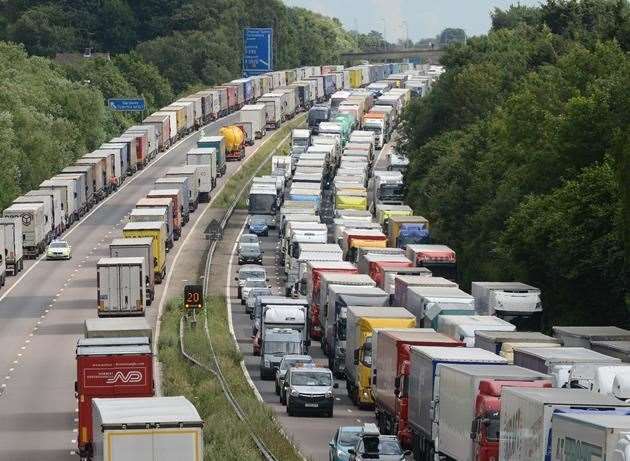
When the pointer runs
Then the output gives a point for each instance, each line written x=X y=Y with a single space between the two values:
x=59 y=249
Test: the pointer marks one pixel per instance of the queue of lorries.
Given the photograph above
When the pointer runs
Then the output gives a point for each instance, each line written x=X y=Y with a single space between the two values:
x=453 y=375
x=117 y=405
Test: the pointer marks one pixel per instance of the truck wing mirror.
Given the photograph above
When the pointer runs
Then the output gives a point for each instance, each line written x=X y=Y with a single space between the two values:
x=356 y=356
x=474 y=428
x=336 y=386
x=351 y=451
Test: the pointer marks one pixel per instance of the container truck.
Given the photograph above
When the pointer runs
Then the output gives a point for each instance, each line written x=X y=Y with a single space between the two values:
x=390 y=372
x=387 y=274
x=234 y=142
x=526 y=416
x=192 y=174
x=181 y=184
x=117 y=327
x=88 y=175
x=142 y=147
x=121 y=286
x=428 y=303
x=273 y=111
x=218 y=143
x=320 y=252
x=515 y=302
x=80 y=188
x=493 y=341
x=206 y=159
x=157 y=232
x=317 y=115
x=111 y=167
x=263 y=201
x=361 y=323
x=256 y=114
x=54 y=195
x=339 y=297
x=162 y=125
x=367 y=264
x=463 y=327
x=122 y=157
x=130 y=149
x=590 y=436
x=300 y=141
x=582 y=336
x=469 y=407
x=109 y=368
x=11 y=228
x=161 y=204
x=173 y=127
x=384 y=212
x=407 y=230
x=137 y=248
x=311 y=286
x=424 y=388
x=33 y=227
x=402 y=283
x=439 y=259
x=175 y=197
x=99 y=176
x=279 y=316
x=146 y=428
x=71 y=196
x=397 y=162
x=560 y=361
x=54 y=224
x=354 y=239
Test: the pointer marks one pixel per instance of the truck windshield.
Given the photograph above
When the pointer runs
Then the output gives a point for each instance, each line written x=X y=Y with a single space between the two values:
x=300 y=142
x=374 y=128
x=262 y=204
x=281 y=347
x=341 y=329
x=317 y=115
x=391 y=192
x=311 y=379
x=492 y=428
x=367 y=352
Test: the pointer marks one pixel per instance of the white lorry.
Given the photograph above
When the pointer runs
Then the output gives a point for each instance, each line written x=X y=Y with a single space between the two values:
x=33 y=226
x=13 y=244
x=205 y=159
x=137 y=247
x=385 y=187
x=515 y=302
x=463 y=327
x=256 y=114
x=147 y=429
x=121 y=286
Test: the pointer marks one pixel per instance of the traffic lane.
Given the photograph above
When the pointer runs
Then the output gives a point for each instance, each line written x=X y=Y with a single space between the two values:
x=37 y=287
x=311 y=433
x=42 y=373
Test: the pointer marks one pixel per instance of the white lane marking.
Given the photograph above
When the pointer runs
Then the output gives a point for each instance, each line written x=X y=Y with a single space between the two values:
x=97 y=207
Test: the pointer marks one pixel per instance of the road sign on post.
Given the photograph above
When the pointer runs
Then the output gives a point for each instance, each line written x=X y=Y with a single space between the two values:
x=257 y=50
x=193 y=297
x=126 y=105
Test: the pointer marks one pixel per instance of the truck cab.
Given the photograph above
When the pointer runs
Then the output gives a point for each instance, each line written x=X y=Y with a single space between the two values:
x=277 y=343
x=300 y=141
x=317 y=115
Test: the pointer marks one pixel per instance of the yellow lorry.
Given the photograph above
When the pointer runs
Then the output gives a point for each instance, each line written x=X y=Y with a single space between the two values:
x=351 y=199
x=402 y=230
x=360 y=325
x=157 y=231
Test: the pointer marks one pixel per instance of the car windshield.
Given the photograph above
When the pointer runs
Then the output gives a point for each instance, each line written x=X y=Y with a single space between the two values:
x=249 y=238
x=250 y=249
x=288 y=363
x=257 y=283
x=58 y=245
x=257 y=220
x=311 y=379
x=389 y=447
x=348 y=438
x=249 y=274
x=259 y=292
x=281 y=348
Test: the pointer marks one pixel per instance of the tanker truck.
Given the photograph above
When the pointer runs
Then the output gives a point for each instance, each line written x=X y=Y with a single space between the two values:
x=234 y=142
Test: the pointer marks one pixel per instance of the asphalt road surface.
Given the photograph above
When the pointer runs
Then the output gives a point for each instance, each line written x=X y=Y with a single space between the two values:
x=42 y=313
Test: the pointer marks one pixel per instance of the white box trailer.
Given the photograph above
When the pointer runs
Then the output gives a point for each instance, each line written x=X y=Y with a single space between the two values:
x=53 y=223
x=80 y=188
x=205 y=158
x=193 y=182
x=526 y=418
x=117 y=327
x=13 y=244
x=146 y=429
x=3 y=259
x=33 y=226
x=582 y=336
x=140 y=247
x=463 y=327
x=590 y=436
x=56 y=201
x=274 y=109
x=256 y=114
x=181 y=183
x=121 y=286
x=68 y=195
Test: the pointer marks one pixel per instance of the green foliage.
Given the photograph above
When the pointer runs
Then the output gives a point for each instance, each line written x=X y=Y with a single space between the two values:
x=46 y=121
x=520 y=158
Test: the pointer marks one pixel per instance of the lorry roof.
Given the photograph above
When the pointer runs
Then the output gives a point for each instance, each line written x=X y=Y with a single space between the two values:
x=335 y=278
x=361 y=290
x=120 y=261
x=158 y=193
x=417 y=334
x=116 y=324
x=155 y=211
x=323 y=265
x=321 y=247
x=384 y=257
x=521 y=336
x=380 y=312
x=428 y=248
x=113 y=350
x=201 y=151
x=506 y=286
x=408 y=219
x=566 y=354
x=621 y=346
x=282 y=300
x=504 y=372
x=604 y=332
x=125 y=341
x=457 y=354
x=253 y=107
x=148 y=225
x=603 y=421
x=562 y=396
x=441 y=291
x=479 y=321
x=139 y=410
x=133 y=241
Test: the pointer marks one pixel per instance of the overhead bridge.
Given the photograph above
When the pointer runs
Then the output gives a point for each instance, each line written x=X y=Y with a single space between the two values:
x=423 y=55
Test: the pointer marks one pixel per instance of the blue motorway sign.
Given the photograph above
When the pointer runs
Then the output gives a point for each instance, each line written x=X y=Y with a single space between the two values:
x=257 y=51
x=123 y=104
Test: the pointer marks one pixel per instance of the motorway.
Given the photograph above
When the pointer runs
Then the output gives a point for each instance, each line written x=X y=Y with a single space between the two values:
x=42 y=313
x=310 y=433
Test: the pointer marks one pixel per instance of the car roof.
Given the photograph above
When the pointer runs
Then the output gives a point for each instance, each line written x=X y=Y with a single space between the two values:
x=297 y=357
x=252 y=267
x=311 y=369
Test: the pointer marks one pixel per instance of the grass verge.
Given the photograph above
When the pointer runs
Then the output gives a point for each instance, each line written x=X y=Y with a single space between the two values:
x=225 y=436
x=235 y=183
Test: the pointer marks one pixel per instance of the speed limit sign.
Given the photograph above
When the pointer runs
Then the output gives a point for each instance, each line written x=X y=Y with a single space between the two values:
x=193 y=297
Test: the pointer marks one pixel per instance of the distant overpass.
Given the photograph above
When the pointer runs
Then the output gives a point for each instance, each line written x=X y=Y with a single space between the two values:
x=426 y=55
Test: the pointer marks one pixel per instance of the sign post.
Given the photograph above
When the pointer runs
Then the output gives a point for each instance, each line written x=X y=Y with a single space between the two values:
x=257 y=50
x=193 y=301
x=127 y=105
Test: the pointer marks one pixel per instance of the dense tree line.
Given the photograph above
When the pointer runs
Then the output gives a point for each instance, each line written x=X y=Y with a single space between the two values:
x=50 y=113
x=520 y=156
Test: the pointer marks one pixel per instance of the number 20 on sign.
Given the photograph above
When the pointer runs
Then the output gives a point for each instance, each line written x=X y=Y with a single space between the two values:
x=193 y=297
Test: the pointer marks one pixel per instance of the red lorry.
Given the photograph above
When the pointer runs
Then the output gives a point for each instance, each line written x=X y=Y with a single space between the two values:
x=439 y=259
x=314 y=270
x=390 y=371
x=378 y=268
x=109 y=367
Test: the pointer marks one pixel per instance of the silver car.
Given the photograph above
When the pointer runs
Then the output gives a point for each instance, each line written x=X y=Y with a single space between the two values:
x=251 y=284
x=287 y=362
x=249 y=272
